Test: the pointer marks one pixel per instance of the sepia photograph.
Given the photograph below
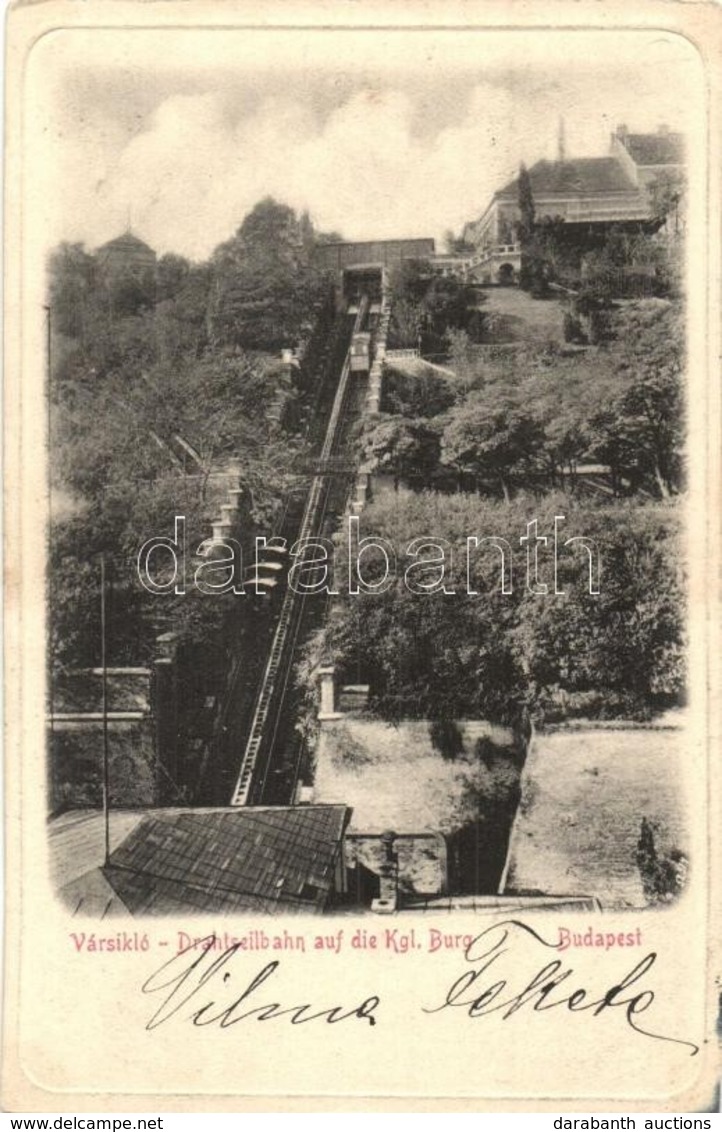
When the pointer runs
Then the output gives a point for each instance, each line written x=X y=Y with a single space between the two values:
x=366 y=402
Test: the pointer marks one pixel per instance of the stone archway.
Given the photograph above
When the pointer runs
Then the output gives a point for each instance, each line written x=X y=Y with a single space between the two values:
x=506 y=274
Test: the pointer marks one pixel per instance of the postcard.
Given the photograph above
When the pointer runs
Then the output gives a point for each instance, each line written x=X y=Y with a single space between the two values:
x=362 y=559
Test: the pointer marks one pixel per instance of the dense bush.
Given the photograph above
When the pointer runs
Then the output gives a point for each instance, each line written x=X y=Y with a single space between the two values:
x=426 y=307
x=486 y=654
x=156 y=383
x=526 y=418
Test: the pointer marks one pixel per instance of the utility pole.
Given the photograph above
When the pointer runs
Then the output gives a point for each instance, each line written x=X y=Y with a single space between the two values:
x=48 y=400
x=104 y=672
x=49 y=486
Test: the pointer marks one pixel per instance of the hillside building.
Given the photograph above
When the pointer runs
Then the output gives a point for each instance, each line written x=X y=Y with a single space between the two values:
x=126 y=254
x=626 y=188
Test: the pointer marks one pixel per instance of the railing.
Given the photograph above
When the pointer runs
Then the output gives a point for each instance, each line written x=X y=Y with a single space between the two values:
x=273 y=666
x=493 y=252
x=577 y=211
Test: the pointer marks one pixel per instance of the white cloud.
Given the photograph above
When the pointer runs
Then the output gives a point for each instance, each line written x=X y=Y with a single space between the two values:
x=193 y=170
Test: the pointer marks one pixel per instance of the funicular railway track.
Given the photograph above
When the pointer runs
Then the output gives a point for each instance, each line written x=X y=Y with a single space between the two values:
x=259 y=747
x=287 y=746
x=251 y=636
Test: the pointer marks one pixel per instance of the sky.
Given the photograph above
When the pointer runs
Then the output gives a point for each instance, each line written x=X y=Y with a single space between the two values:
x=376 y=135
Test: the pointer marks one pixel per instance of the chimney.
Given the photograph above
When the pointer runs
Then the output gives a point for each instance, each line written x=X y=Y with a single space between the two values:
x=663 y=129
x=561 y=141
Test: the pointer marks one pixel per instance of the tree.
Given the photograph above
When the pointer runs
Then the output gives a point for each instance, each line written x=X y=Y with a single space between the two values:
x=328 y=238
x=406 y=449
x=152 y=395
x=525 y=227
x=477 y=653
x=181 y=319
x=408 y=283
x=667 y=192
x=429 y=656
x=663 y=876
x=538 y=242
x=620 y=651
x=425 y=393
x=424 y=307
x=72 y=279
x=446 y=308
x=265 y=288
x=457 y=245
x=129 y=292
x=463 y=359
x=642 y=427
x=526 y=204
x=492 y=443
x=172 y=272
x=405 y=324
x=171 y=413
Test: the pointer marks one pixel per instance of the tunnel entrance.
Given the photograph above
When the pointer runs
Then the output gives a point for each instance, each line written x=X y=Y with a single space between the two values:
x=363 y=280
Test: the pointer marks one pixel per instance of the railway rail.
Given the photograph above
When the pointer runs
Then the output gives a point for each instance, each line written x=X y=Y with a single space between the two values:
x=280 y=658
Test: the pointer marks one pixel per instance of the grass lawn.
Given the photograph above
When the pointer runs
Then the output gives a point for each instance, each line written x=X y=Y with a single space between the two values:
x=394 y=778
x=584 y=794
x=519 y=318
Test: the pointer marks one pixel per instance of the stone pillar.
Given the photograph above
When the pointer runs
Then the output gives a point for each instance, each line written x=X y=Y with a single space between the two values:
x=388 y=898
x=221 y=530
x=328 y=694
x=166 y=712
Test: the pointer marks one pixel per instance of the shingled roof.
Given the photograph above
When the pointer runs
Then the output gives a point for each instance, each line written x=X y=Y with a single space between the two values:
x=170 y=861
x=582 y=175
x=655 y=149
x=127 y=242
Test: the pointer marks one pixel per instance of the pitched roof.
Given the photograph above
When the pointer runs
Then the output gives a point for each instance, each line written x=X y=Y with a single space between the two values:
x=655 y=149
x=127 y=242
x=583 y=175
x=222 y=860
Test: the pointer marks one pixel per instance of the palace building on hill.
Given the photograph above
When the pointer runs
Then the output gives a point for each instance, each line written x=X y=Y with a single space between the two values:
x=589 y=194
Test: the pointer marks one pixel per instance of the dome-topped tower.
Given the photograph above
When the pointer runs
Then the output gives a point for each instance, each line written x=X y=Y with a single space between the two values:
x=126 y=253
